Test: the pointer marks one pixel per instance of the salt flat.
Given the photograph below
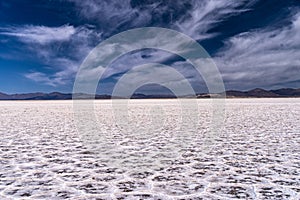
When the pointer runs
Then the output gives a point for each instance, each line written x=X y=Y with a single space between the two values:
x=256 y=155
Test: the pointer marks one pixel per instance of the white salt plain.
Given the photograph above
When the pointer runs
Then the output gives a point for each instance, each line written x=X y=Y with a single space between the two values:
x=255 y=156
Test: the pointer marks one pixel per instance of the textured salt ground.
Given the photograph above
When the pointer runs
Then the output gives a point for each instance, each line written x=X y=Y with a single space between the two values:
x=256 y=156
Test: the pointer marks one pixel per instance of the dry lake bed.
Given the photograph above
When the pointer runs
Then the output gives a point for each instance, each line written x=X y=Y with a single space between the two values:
x=255 y=155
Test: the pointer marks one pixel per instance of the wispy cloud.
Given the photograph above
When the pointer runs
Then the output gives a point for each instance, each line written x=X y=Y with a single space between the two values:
x=42 y=78
x=206 y=14
x=39 y=34
x=110 y=15
x=194 y=18
x=65 y=71
x=267 y=57
x=58 y=49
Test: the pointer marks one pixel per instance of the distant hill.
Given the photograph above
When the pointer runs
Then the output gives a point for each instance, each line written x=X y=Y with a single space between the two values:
x=35 y=96
x=151 y=96
x=49 y=96
x=288 y=92
x=255 y=93
x=3 y=96
x=258 y=92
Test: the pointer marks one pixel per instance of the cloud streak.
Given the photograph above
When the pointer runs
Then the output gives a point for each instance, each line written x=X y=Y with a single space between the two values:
x=60 y=48
x=63 y=76
x=267 y=57
x=191 y=17
x=39 y=34
x=206 y=14
x=262 y=58
x=194 y=18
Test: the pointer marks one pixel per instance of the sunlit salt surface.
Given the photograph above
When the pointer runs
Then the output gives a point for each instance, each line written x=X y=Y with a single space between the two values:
x=255 y=156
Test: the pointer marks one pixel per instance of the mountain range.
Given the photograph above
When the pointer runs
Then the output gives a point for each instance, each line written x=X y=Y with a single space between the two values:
x=255 y=93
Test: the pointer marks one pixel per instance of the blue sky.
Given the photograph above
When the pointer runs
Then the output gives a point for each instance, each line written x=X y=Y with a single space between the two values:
x=254 y=43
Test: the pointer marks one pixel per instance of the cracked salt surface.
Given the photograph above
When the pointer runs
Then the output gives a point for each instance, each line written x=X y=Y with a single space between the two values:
x=257 y=155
